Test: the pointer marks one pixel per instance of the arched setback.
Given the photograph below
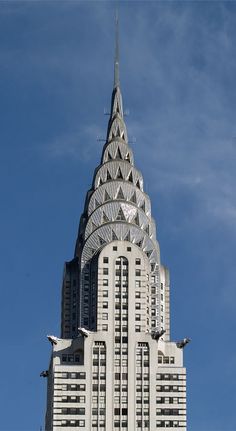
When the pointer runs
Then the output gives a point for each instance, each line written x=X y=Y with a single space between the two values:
x=131 y=193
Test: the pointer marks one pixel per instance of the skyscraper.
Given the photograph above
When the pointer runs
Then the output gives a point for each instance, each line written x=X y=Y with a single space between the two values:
x=114 y=367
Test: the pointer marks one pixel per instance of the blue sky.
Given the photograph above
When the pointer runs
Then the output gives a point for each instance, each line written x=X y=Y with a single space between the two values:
x=178 y=69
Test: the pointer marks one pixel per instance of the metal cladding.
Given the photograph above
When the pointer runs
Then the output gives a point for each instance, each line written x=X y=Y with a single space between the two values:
x=116 y=208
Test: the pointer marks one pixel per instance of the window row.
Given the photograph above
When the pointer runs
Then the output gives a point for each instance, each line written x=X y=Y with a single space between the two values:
x=170 y=412
x=170 y=400
x=118 y=362
x=101 y=387
x=140 y=400
x=118 y=376
x=144 y=388
x=170 y=424
x=71 y=358
x=140 y=424
x=170 y=376
x=144 y=376
x=102 y=362
x=96 y=411
x=102 y=399
x=118 y=411
x=101 y=376
x=71 y=399
x=119 y=339
x=73 y=423
x=118 y=306
x=137 y=260
x=144 y=363
x=73 y=387
x=124 y=399
x=170 y=388
x=72 y=411
x=80 y=375
x=117 y=388
x=118 y=424
x=144 y=412
x=166 y=359
x=101 y=425
x=114 y=248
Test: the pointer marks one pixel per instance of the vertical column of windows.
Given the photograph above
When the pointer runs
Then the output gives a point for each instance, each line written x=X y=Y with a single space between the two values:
x=142 y=297
x=93 y=300
x=74 y=300
x=121 y=345
x=86 y=295
x=167 y=311
x=157 y=300
x=66 y=307
x=70 y=304
x=142 y=387
x=99 y=387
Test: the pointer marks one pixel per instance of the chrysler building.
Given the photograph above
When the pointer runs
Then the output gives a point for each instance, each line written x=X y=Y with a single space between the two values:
x=114 y=367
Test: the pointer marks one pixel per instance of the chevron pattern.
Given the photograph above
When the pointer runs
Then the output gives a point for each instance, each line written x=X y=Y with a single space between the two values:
x=117 y=207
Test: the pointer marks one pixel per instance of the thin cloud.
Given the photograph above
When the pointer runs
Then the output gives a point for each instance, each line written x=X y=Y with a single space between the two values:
x=78 y=145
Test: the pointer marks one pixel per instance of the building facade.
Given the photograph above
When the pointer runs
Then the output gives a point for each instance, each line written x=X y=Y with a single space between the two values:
x=114 y=367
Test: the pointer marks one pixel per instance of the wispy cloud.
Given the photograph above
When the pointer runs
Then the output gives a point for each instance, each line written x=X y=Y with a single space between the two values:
x=188 y=126
x=79 y=145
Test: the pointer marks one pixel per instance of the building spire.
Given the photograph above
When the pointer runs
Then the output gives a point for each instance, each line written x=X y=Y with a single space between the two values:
x=116 y=63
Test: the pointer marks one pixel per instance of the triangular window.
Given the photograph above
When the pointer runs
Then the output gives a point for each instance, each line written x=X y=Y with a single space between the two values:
x=136 y=220
x=143 y=206
x=133 y=198
x=101 y=240
x=147 y=229
x=127 y=236
x=120 y=194
x=153 y=267
x=140 y=243
x=138 y=184
x=105 y=219
x=119 y=174
x=148 y=253
x=118 y=154
x=106 y=197
x=108 y=176
x=94 y=226
x=130 y=177
x=127 y=157
x=109 y=156
x=120 y=215
x=97 y=204
x=114 y=236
